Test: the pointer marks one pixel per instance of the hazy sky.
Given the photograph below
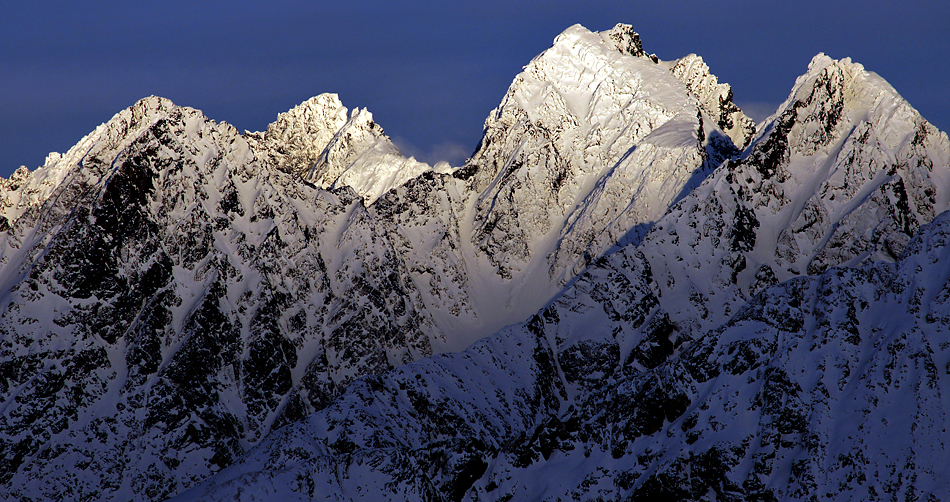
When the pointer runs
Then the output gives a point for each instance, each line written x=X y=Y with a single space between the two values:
x=430 y=72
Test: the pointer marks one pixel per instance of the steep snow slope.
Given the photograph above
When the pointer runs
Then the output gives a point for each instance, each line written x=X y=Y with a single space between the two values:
x=172 y=299
x=828 y=386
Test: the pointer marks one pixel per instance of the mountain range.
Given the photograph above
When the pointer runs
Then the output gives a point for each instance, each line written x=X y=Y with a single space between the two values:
x=630 y=291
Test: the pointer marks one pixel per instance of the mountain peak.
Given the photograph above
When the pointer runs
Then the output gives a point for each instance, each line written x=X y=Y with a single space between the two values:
x=27 y=189
x=294 y=141
x=154 y=103
x=323 y=142
x=622 y=38
x=835 y=96
x=821 y=60
x=714 y=98
x=845 y=172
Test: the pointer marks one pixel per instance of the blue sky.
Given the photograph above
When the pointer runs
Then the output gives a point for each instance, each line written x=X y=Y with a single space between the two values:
x=430 y=72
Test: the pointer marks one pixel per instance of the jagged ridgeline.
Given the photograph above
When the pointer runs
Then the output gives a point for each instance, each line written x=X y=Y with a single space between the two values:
x=694 y=309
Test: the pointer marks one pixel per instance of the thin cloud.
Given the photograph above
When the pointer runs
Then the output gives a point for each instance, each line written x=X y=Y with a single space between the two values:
x=758 y=110
x=446 y=151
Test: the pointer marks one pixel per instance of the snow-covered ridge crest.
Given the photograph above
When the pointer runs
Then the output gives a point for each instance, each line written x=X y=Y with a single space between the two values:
x=847 y=93
x=715 y=98
x=43 y=200
x=581 y=117
x=589 y=145
x=324 y=143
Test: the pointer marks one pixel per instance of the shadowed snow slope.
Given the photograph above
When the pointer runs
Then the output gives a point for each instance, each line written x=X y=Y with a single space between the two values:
x=829 y=385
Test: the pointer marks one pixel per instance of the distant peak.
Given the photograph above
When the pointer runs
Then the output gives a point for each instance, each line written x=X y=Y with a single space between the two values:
x=328 y=145
x=294 y=141
x=149 y=109
x=318 y=117
x=326 y=106
x=154 y=103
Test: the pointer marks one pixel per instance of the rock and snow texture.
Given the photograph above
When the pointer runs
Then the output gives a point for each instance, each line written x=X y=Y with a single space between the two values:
x=172 y=300
x=831 y=386
x=324 y=144
x=174 y=292
x=845 y=171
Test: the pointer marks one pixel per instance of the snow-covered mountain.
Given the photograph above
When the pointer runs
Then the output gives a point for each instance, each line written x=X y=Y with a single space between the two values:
x=830 y=386
x=178 y=297
x=173 y=298
x=592 y=143
x=845 y=171
x=825 y=386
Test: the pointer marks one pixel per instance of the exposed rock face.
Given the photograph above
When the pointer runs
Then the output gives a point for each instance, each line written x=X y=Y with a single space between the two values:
x=178 y=297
